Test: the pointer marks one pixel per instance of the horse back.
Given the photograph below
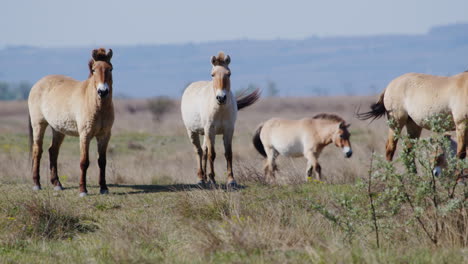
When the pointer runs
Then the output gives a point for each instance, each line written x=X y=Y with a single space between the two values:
x=420 y=96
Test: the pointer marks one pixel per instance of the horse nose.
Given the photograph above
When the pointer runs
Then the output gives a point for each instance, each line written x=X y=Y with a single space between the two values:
x=221 y=99
x=103 y=93
x=347 y=151
x=436 y=171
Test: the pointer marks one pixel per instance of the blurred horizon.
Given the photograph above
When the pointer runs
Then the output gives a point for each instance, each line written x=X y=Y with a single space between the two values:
x=299 y=48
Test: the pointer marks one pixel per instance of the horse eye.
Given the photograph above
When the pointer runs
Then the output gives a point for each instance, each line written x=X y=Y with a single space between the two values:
x=111 y=69
x=341 y=136
x=212 y=75
x=229 y=74
x=92 y=70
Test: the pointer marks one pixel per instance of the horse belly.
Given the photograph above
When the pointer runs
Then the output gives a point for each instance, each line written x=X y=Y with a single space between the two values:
x=422 y=116
x=293 y=148
x=63 y=123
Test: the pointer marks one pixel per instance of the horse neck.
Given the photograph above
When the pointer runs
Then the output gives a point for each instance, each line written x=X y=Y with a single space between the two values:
x=326 y=131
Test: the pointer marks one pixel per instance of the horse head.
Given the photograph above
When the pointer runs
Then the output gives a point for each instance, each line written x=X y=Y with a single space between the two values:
x=341 y=139
x=100 y=69
x=221 y=76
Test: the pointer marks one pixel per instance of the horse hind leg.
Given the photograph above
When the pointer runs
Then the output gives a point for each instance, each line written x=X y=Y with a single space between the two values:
x=392 y=140
x=462 y=138
x=57 y=139
x=270 y=165
x=414 y=132
x=38 y=130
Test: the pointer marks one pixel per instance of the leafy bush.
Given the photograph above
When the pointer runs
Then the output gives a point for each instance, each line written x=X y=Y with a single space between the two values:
x=159 y=106
x=409 y=200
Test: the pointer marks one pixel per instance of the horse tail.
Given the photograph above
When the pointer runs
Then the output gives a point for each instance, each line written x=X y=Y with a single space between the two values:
x=257 y=142
x=377 y=110
x=246 y=100
x=30 y=136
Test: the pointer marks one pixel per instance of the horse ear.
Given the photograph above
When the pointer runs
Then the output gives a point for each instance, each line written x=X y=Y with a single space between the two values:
x=94 y=54
x=213 y=60
x=90 y=66
x=227 y=60
x=109 y=54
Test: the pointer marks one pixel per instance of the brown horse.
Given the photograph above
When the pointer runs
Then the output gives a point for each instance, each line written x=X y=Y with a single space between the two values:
x=301 y=138
x=413 y=98
x=73 y=108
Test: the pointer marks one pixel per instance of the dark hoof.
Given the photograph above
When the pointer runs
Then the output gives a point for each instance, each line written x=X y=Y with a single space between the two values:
x=36 y=188
x=104 y=191
x=232 y=186
x=201 y=184
x=212 y=184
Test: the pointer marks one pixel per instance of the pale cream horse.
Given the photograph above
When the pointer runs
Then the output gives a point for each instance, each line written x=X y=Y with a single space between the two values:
x=210 y=108
x=413 y=98
x=73 y=108
x=301 y=138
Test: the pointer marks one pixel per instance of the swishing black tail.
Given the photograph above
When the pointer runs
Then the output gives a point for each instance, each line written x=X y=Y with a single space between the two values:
x=258 y=142
x=377 y=110
x=245 y=100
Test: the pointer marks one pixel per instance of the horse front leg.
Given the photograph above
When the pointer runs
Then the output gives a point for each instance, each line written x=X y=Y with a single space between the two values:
x=461 y=130
x=195 y=139
x=227 y=138
x=313 y=166
x=102 y=143
x=38 y=131
x=84 y=163
x=209 y=152
x=57 y=139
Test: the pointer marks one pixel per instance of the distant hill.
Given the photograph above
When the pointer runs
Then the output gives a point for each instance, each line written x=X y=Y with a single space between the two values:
x=313 y=66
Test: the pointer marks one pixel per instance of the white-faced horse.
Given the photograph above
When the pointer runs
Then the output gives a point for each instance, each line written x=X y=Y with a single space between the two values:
x=210 y=108
x=73 y=108
x=301 y=138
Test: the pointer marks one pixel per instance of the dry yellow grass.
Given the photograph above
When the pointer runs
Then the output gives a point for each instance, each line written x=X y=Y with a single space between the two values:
x=143 y=151
x=153 y=214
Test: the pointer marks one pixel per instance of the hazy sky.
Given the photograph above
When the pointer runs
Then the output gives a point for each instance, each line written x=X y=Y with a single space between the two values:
x=103 y=22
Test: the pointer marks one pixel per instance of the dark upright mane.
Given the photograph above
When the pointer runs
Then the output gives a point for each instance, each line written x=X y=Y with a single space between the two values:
x=99 y=55
x=331 y=117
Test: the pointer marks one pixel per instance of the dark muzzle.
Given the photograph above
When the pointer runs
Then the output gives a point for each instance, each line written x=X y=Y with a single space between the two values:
x=221 y=99
x=103 y=93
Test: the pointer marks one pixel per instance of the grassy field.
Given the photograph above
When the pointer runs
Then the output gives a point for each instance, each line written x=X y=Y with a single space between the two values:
x=155 y=214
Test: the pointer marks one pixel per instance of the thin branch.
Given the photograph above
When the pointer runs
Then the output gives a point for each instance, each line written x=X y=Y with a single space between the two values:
x=369 y=192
